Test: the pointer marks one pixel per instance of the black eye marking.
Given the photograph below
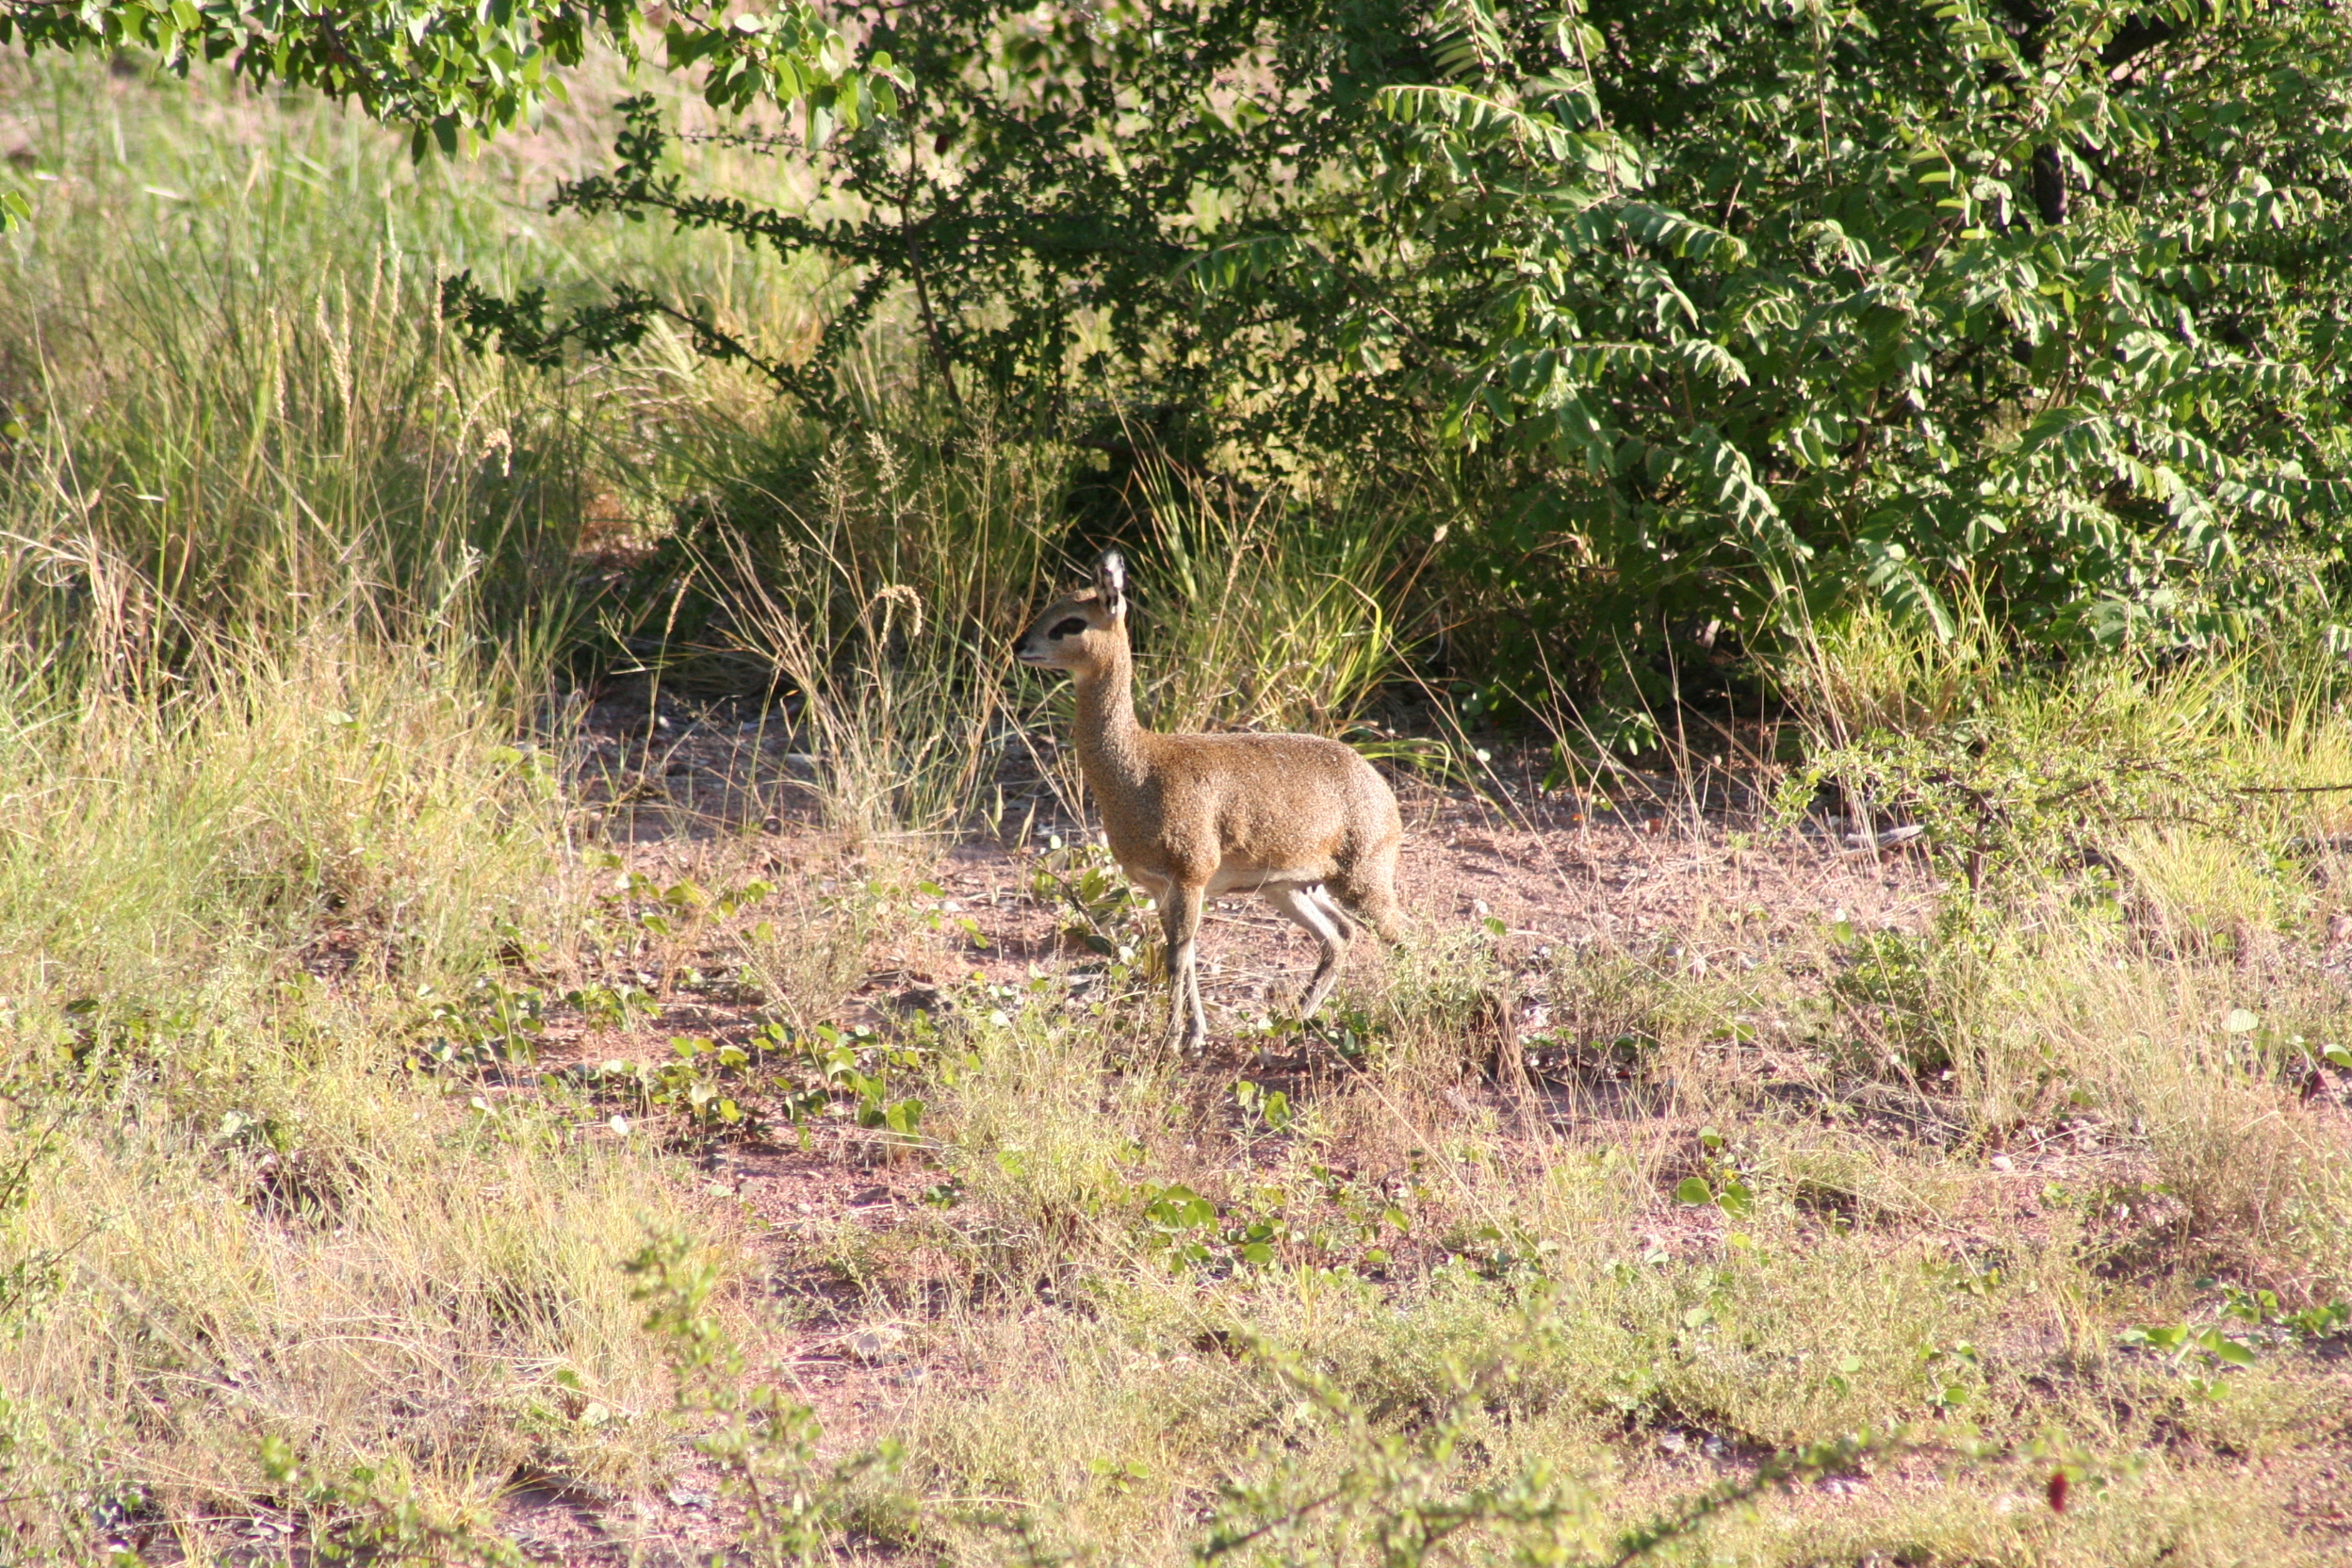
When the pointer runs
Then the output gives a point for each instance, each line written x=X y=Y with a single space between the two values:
x=1069 y=627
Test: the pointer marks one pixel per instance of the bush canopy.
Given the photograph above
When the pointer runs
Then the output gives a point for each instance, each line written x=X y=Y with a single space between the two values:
x=1709 y=315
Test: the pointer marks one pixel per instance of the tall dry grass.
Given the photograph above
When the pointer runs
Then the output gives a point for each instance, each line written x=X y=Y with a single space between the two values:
x=282 y=575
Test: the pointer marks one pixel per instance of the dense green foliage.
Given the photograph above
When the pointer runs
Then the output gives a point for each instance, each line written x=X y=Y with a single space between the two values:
x=2034 y=305
x=442 y=68
x=1698 y=317
x=1696 y=305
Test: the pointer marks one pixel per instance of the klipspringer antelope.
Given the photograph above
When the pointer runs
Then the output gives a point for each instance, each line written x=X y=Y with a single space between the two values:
x=1299 y=818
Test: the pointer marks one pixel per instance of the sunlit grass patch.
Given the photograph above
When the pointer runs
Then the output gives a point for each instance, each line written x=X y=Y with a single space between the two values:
x=411 y=1292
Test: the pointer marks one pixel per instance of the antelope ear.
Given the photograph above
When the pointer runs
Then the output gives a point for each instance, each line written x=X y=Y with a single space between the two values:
x=1110 y=580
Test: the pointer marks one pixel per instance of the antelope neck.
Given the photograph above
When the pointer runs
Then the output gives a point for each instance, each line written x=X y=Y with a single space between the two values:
x=1110 y=746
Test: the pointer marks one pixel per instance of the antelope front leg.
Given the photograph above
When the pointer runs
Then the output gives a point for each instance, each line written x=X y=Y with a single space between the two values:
x=1180 y=919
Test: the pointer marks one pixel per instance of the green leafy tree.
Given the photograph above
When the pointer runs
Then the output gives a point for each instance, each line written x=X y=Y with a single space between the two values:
x=1049 y=177
x=1726 y=310
x=445 y=69
x=1714 y=312
x=2036 y=303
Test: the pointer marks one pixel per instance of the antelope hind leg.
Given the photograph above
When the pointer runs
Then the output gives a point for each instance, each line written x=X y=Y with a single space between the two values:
x=1307 y=907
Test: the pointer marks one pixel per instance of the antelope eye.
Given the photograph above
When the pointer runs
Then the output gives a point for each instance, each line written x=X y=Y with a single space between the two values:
x=1069 y=627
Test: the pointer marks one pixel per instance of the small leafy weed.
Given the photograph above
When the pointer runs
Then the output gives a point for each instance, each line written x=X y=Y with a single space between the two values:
x=488 y=1024
x=1102 y=910
x=700 y=1082
x=610 y=1005
x=941 y=917
x=1266 y=1110
x=1719 y=1182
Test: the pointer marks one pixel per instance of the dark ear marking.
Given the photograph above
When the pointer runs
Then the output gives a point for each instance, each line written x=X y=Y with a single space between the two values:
x=1110 y=580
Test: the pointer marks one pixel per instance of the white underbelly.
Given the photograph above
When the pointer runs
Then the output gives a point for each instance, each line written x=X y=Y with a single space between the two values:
x=1230 y=879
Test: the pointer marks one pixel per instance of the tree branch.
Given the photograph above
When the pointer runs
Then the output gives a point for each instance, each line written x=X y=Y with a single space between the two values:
x=2136 y=38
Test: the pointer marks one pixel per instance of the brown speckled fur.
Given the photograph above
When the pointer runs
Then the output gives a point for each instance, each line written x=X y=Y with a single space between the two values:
x=1300 y=819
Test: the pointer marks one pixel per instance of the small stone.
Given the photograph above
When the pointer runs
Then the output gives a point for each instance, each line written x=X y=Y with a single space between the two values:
x=2002 y=1162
